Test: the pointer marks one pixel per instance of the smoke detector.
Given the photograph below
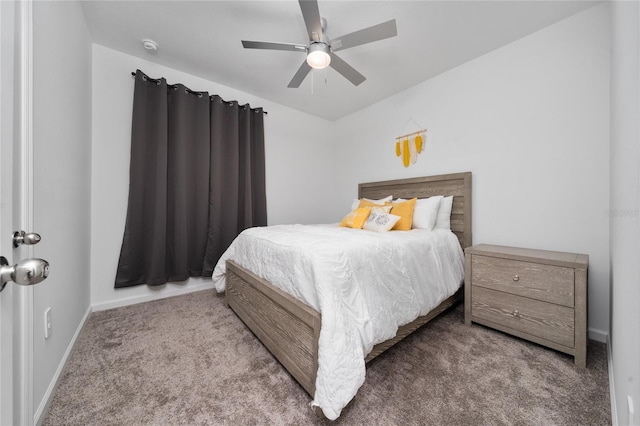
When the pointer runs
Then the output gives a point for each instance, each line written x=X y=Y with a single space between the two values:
x=150 y=45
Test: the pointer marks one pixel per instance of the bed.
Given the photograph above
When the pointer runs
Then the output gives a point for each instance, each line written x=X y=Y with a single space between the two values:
x=291 y=329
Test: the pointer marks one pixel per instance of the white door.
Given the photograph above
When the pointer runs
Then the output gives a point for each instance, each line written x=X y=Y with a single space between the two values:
x=7 y=201
x=16 y=214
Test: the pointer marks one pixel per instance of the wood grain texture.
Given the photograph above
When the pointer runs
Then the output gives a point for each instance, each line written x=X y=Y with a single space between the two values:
x=546 y=320
x=526 y=336
x=581 y=317
x=548 y=257
x=467 y=289
x=290 y=329
x=535 y=280
x=546 y=304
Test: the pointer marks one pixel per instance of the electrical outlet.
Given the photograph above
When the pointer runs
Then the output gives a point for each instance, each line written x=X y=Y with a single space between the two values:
x=631 y=410
x=47 y=323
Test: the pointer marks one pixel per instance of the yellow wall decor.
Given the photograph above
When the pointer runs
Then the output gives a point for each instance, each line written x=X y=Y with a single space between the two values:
x=409 y=146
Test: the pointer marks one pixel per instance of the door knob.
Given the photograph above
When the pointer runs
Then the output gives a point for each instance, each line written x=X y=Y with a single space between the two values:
x=21 y=237
x=26 y=272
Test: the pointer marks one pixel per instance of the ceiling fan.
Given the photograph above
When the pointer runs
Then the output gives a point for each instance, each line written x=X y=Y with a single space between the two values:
x=320 y=50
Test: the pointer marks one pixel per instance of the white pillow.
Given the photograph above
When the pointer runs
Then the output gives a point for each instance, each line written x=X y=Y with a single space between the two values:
x=379 y=221
x=425 y=212
x=356 y=202
x=444 y=213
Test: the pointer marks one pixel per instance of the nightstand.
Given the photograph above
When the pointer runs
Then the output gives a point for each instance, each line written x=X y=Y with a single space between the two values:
x=536 y=295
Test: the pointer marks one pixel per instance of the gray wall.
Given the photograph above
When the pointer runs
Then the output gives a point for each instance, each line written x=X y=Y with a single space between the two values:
x=62 y=175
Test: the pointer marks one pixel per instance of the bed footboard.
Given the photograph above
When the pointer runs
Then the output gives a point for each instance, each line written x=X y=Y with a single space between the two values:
x=289 y=329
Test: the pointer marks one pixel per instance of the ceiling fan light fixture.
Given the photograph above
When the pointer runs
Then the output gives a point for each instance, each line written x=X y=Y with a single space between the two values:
x=318 y=56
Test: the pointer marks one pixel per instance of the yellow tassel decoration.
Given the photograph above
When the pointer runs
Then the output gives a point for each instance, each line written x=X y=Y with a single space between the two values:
x=418 y=143
x=406 y=155
x=398 y=149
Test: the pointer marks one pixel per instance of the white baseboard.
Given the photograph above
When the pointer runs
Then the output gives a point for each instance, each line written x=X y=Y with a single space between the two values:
x=40 y=413
x=598 y=335
x=166 y=292
x=612 y=388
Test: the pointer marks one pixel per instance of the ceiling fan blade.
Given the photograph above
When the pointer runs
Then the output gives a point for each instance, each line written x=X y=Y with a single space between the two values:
x=302 y=72
x=311 y=15
x=273 y=46
x=346 y=70
x=366 y=35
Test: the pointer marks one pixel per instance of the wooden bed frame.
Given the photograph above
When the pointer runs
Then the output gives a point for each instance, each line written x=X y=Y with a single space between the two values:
x=290 y=329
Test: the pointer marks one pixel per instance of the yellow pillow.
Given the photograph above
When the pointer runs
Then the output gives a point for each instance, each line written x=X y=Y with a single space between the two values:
x=404 y=209
x=366 y=203
x=356 y=218
x=386 y=207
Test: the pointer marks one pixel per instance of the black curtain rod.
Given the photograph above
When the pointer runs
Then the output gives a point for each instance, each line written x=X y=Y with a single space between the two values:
x=133 y=73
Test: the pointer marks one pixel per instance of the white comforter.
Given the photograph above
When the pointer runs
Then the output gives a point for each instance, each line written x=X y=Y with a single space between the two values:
x=364 y=284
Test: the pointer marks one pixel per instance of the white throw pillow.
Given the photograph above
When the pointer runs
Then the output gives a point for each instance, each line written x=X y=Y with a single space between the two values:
x=379 y=221
x=356 y=202
x=444 y=213
x=425 y=213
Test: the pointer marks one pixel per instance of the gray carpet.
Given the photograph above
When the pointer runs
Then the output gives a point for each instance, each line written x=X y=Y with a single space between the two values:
x=189 y=360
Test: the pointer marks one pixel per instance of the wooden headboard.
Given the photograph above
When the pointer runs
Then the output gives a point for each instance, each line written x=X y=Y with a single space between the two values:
x=456 y=184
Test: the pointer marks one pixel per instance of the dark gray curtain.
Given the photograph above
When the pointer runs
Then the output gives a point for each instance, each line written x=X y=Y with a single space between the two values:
x=197 y=179
x=236 y=200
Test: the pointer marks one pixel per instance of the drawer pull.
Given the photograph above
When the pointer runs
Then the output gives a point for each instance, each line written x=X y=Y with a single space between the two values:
x=516 y=277
x=516 y=314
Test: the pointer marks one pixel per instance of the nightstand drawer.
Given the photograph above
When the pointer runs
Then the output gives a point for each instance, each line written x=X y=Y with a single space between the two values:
x=548 y=283
x=545 y=320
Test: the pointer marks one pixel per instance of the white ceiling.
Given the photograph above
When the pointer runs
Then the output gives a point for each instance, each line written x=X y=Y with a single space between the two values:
x=203 y=38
